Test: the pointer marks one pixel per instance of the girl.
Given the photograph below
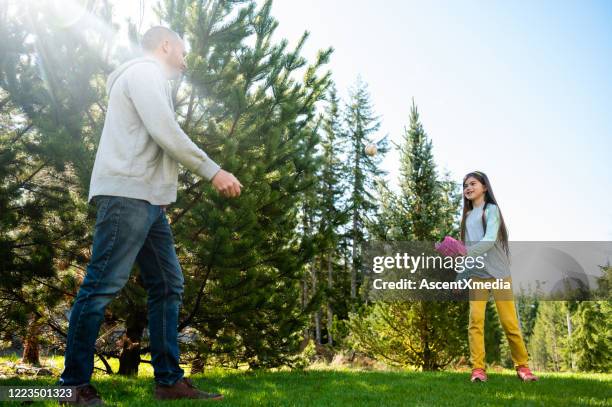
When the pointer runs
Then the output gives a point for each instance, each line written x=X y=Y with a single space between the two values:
x=484 y=233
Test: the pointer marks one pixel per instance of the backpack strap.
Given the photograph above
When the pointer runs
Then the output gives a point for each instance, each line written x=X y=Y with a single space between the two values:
x=484 y=221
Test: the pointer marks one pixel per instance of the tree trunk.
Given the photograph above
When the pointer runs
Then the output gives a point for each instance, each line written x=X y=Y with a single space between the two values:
x=569 y=338
x=555 y=354
x=198 y=364
x=306 y=226
x=318 y=326
x=424 y=325
x=317 y=314
x=356 y=193
x=330 y=313
x=31 y=345
x=354 y=265
x=130 y=354
x=304 y=302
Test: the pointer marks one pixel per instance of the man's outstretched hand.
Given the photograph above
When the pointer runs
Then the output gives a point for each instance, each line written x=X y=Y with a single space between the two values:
x=225 y=183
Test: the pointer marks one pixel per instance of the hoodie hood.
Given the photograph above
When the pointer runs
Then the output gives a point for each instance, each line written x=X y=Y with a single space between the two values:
x=112 y=78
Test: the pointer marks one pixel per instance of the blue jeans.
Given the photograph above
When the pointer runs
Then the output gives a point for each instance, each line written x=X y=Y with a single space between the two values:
x=127 y=230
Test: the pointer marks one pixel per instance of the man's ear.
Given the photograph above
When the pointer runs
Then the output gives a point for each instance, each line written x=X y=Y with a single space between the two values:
x=166 y=46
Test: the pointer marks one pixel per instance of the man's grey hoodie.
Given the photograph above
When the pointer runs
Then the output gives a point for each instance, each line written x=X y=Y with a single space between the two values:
x=142 y=143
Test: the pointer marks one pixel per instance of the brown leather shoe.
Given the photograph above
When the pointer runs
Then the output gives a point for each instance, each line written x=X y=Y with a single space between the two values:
x=183 y=389
x=86 y=395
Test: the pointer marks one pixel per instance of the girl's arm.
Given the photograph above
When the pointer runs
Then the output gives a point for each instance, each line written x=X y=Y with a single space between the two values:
x=488 y=241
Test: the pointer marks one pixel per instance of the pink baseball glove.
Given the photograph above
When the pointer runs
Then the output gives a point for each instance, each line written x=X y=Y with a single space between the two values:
x=451 y=247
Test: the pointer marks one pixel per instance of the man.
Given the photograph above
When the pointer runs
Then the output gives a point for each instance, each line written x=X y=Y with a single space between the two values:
x=134 y=178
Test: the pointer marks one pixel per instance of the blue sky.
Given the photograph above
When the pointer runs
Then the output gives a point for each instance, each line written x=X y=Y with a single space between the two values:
x=520 y=90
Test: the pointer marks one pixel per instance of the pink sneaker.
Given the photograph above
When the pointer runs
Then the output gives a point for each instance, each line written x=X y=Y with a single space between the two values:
x=478 y=375
x=525 y=374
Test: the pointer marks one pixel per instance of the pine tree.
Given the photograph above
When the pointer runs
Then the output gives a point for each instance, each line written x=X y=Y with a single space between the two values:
x=243 y=105
x=388 y=219
x=333 y=214
x=429 y=205
x=429 y=335
x=47 y=74
x=549 y=342
x=311 y=290
x=527 y=306
x=590 y=342
x=243 y=259
x=361 y=124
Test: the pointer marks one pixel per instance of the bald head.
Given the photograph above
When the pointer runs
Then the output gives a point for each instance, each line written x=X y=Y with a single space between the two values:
x=167 y=46
x=156 y=36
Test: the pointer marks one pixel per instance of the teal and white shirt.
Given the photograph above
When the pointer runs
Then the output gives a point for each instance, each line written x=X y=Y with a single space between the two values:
x=479 y=243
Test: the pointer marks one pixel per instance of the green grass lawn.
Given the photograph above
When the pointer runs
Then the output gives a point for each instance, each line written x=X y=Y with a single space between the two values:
x=325 y=387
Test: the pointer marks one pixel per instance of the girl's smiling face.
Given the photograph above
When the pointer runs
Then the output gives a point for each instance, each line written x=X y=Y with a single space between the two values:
x=473 y=189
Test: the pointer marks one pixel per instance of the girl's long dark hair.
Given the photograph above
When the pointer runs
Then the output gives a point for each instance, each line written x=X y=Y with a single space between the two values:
x=502 y=234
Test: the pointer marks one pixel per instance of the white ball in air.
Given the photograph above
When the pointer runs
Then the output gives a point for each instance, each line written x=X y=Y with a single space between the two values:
x=371 y=149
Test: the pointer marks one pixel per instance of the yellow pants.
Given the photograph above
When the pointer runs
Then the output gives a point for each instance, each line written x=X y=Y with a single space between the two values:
x=507 y=314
